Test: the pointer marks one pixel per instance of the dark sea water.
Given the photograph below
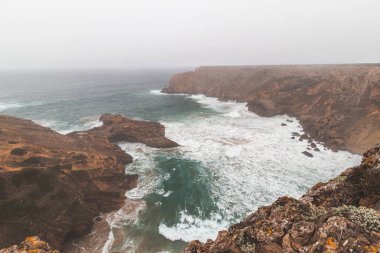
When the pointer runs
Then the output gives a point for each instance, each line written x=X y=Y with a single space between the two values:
x=230 y=161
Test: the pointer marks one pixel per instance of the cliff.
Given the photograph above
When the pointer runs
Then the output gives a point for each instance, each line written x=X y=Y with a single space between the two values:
x=52 y=185
x=336 y=104
x=342 y=215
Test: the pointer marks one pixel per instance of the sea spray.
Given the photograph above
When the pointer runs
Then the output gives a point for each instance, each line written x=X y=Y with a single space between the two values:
x=238 y=160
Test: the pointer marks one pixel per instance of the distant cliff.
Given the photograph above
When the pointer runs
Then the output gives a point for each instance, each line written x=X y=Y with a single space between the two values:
x=53 y=186
x=336 y=104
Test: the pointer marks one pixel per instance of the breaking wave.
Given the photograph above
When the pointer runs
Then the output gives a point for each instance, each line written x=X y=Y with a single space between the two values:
x=229 y=163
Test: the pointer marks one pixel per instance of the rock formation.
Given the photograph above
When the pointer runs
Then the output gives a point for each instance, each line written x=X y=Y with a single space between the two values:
x=30 y=245
x=122 y=129
x=342 y=215
x=53 y=185
x=336 y=104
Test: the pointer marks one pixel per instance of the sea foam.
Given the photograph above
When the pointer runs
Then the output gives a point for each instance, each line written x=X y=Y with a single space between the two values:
x=253 y=161
x=6 y=106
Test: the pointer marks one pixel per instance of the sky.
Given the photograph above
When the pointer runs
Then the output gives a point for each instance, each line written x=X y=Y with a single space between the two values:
x=170 y=33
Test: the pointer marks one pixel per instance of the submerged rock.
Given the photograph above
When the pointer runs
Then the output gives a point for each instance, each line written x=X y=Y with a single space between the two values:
x=342 y=215
x=307 y=153
x=53 y=185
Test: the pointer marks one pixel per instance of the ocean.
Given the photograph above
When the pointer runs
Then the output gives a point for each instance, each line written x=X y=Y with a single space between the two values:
x=229 y=163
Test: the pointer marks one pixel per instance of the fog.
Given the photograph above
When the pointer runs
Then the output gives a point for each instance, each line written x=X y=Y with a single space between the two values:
x=168 y=33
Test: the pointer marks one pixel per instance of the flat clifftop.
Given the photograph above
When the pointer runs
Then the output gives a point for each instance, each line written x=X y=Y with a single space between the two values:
x=336 y=104
x=342 y=215
x=53 y=185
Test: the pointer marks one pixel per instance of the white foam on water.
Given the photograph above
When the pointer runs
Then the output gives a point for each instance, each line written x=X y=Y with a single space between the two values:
x=253 y=161
x=6 y=106
x=192 y=228
x=62 y=127
x=157 y=92
x=143 y=165
x=117 y=220
x=107 y=246
x=160 y=93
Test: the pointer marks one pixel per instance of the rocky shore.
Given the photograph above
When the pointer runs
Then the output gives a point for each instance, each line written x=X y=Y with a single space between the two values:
x=342 y=215
x=338 y=105
x=53 y=186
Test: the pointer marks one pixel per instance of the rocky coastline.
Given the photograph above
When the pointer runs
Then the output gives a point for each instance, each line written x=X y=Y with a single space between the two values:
x=52 y=186
x=338 y=105
x=342 y=215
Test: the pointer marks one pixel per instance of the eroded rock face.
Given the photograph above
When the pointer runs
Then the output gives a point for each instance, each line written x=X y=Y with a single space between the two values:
x=336 y=104
x=53 y=185
x=342 y=215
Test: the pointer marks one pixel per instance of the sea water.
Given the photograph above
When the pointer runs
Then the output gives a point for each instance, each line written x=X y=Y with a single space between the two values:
x=230 y=161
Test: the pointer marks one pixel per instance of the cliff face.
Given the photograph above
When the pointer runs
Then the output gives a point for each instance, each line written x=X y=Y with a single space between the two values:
x=342 y=215
x=336 y=104
x=53 y=185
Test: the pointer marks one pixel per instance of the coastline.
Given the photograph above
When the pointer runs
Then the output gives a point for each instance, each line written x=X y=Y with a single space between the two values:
x=336 y=104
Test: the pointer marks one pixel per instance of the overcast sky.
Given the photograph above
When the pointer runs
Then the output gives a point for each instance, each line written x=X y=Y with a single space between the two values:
x=166 y=33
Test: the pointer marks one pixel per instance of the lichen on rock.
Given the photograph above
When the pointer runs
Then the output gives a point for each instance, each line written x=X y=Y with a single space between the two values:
x=30 y=245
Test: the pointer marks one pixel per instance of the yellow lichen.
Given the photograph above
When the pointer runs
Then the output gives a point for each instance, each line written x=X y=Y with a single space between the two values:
x=34 y=251
x=270 y=231
x=330 y=245
x=372 y=249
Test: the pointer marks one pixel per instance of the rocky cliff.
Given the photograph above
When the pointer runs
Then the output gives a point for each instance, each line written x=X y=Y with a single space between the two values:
x=342 y=215
x=336 y=104
x=54 y=185
x=31 y=244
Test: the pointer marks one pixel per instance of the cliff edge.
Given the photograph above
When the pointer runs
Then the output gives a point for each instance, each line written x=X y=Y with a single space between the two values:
x=53 y=186
x=336 y=104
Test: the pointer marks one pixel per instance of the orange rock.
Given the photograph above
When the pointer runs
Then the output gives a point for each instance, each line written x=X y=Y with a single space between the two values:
x=53 y=185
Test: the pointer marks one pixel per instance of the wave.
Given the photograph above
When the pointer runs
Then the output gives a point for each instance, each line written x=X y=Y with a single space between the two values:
x=63 y=127
x=192 y=228
x=160 y=93
x=252 y=161
x=7 y=106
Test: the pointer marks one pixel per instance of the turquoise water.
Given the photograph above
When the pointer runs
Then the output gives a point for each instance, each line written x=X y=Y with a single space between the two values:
x=229 y=163
x=187 y=184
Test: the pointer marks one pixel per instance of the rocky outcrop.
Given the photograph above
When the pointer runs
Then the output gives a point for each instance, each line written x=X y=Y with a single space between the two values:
x=342 y=215
x=336 y=104
x=30 y=245
x=53 y=185
x=122 y=129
